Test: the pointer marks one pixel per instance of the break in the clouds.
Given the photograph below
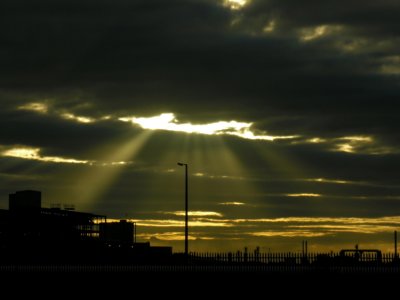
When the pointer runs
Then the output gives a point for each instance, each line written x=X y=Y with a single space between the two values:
x=281 y=109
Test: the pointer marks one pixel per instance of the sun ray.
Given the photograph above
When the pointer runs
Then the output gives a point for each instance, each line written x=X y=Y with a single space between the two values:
x=98 y=179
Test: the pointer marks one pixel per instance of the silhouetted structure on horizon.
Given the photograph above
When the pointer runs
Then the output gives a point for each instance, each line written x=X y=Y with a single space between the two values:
x=33 y=235
x=30 y=233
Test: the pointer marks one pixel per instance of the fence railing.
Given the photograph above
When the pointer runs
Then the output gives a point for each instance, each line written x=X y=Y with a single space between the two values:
x=291 y=258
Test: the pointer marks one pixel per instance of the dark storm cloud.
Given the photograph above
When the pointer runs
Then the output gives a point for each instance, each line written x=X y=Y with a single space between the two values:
x=187 y=57
x=373 y=17
x=58 y=136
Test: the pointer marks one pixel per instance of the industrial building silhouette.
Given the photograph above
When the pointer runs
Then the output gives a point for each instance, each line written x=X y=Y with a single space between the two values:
x=32 y=234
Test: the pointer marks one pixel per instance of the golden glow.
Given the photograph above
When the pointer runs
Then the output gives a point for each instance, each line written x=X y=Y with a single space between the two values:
x=43 y=108
x=79 y=119
x=235 y=4
x=304 y=195
x=34 y=154
x=312 y=33
x=38 y=107
x=381 y=220
x=210 y=228
x=199 y=174
x=270 y=27
x=351 y=143
x=168 y=122
x=324 y=180
x=169 y=236
x=295 y=233
x=232 y=203
x=195 y=213
x=364 y=139
x=181 y=223
x=316 y=140
x=359 y=228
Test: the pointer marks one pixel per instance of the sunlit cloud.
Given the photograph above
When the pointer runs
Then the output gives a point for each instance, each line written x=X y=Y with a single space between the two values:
x=294 y=233
x=195 y=213
x=199 y=174
x=355 y=44
x=312 y=33
x=168 y=122
x=325 y=180
x=170 y=236
x=34 y=154
x=30 y=153
x=79 y=119
x=270 y=27
x=44 y=108
x=232 y=203
x=359 y=228
x=304 y=195
x=180 y=223
x=305 y=220
x=38 y=107
x=235 y=4
x=316 y=140
x=350 y=144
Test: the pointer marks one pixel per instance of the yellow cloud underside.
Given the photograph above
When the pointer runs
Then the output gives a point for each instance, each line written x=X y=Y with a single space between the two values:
x=34 y=154
x=168 y=122
x=235 y=4
x=38 y=107
x=304 y=195
x=196 y=213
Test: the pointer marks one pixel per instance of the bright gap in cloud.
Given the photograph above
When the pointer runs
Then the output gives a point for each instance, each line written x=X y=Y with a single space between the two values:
x=43 y=108
x=168 y=121
x=270 y=27
x=34 y=154
x=30 y=153
x=195 y=213
x=180 y=223
x=288 y=234
x=232 y=203
x=325 y=180
x=79 y=119
x=235 y=4
x=35 y=106
x=304 y=195
x=312 y=33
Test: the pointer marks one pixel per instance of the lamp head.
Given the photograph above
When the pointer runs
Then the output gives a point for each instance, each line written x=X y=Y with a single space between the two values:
x=180 y=164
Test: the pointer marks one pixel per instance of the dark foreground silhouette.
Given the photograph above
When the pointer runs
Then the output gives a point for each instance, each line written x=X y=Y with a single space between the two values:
x=33 y=238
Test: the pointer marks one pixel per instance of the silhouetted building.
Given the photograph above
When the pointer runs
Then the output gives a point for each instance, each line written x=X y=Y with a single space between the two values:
x=25 y=200
x=30 y=233
x=28 y=222
x=121 y=232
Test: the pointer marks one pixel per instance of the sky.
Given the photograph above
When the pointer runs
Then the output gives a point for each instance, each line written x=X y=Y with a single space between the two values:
x=286 y=113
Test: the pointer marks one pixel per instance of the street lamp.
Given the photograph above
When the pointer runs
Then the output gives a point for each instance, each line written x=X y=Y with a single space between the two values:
x=186 y=209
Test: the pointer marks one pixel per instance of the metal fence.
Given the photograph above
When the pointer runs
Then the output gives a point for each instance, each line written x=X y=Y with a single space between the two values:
x=295 y=259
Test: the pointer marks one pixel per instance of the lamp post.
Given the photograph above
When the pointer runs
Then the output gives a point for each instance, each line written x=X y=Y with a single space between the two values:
x=186 y=210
